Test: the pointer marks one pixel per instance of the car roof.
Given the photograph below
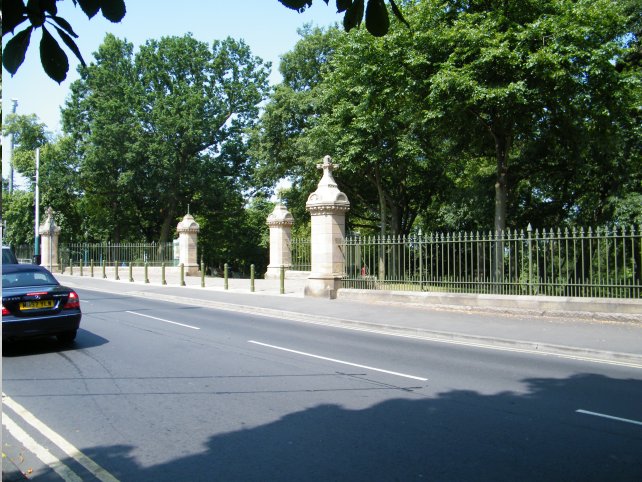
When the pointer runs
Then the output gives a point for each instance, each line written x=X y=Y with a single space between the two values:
x=21 y=268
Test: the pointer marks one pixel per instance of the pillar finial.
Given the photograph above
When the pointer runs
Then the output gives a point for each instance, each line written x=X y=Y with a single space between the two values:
x=328 y=166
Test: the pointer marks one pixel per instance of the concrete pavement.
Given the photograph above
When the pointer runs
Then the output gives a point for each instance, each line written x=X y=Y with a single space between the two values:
x=608 y=337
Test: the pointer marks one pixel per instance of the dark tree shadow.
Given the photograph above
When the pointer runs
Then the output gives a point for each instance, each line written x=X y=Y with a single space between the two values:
x=457 y=435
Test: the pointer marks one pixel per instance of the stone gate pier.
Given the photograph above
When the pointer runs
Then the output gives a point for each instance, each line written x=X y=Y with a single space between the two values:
x=188 y=230
x=280 y=222
x=328 y=207
x=50 y=234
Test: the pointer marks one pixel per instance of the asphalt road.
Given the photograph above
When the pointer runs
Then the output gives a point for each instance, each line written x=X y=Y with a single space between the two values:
x=157 y=391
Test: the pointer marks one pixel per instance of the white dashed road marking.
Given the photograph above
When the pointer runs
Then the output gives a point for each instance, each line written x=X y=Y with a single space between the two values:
x=334 y=360
x=166 y=321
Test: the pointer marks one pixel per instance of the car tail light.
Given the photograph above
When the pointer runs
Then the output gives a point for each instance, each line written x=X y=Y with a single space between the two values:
x=73 y=302
x=5 y=311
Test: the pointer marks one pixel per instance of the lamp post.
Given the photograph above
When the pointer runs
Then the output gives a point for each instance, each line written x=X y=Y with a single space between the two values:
x=36 y=240
x=11 y=146
x=51 y=235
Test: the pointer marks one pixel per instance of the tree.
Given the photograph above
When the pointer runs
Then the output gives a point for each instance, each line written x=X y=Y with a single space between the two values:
x=371 y=123
x=341 y=96
x=17 y=211
x=162 y=130
x=278 y=144
x=244 y=224
x=197 y=103
x=58 y=179
x=28 y=135
x=101 y=118
x=60 y=187
x=530 y=85
x=518 y=114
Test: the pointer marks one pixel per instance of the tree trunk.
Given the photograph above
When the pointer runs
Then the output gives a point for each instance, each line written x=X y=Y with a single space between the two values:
x=384 y=215
x=501 y=151
x=168 y=220
x=117 y=233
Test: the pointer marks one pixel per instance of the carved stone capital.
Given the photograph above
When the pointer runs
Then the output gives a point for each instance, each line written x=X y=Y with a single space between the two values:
x=188 y=225
x=280 y=217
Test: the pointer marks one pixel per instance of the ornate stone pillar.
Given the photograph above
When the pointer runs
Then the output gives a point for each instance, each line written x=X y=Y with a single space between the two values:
x=49 y=233
x=187 y=239
x=328 y=207
x=280 y=222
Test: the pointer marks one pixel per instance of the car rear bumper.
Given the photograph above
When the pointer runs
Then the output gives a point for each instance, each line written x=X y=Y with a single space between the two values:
x=14 y=327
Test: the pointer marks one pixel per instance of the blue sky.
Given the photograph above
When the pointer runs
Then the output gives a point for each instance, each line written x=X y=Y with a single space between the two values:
x=269 y=28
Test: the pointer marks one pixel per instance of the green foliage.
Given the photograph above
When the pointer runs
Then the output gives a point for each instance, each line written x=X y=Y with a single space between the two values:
x=101 y=120
x=536 y=88
x=60 y=187
x=162 y=131
x=276 y=143
x=351 y=107
x=18 y=213
x=237 y=234
x=59 y=181
x=28 y=135
x=488 y=114
x=40 y=14
x=25 y=129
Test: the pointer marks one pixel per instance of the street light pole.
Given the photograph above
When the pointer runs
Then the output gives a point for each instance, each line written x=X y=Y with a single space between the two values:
x=11 y=146
x=51 y=235
x=36 y=239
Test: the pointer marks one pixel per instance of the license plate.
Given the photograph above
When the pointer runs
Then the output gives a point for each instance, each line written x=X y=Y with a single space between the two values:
x=36 y=305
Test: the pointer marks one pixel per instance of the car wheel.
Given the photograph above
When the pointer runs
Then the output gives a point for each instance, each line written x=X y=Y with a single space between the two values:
x=66 y=337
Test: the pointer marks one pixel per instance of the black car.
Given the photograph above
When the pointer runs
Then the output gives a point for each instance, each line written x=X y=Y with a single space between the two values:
x=35 y=304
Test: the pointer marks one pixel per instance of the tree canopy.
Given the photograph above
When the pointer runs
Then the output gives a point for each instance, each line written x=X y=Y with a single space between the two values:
x=59 y=185
x=161 y=129
x=497 y=115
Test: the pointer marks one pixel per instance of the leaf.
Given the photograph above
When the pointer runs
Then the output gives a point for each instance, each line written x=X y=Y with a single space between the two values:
x=343 y=5
x=353 y=15
x=14 y=52
x=90 y=7
x=13 y=14
x=71 y=44
x=377 y=21
x=64 y=24
x=49 y=6
x=298 y=5
x=398 y=13
x=53 y=58
x=113 y=10
x=35 y=13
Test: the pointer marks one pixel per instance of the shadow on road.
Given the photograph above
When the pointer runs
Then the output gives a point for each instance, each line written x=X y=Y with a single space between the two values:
x=40 y=346
x=456 y=435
